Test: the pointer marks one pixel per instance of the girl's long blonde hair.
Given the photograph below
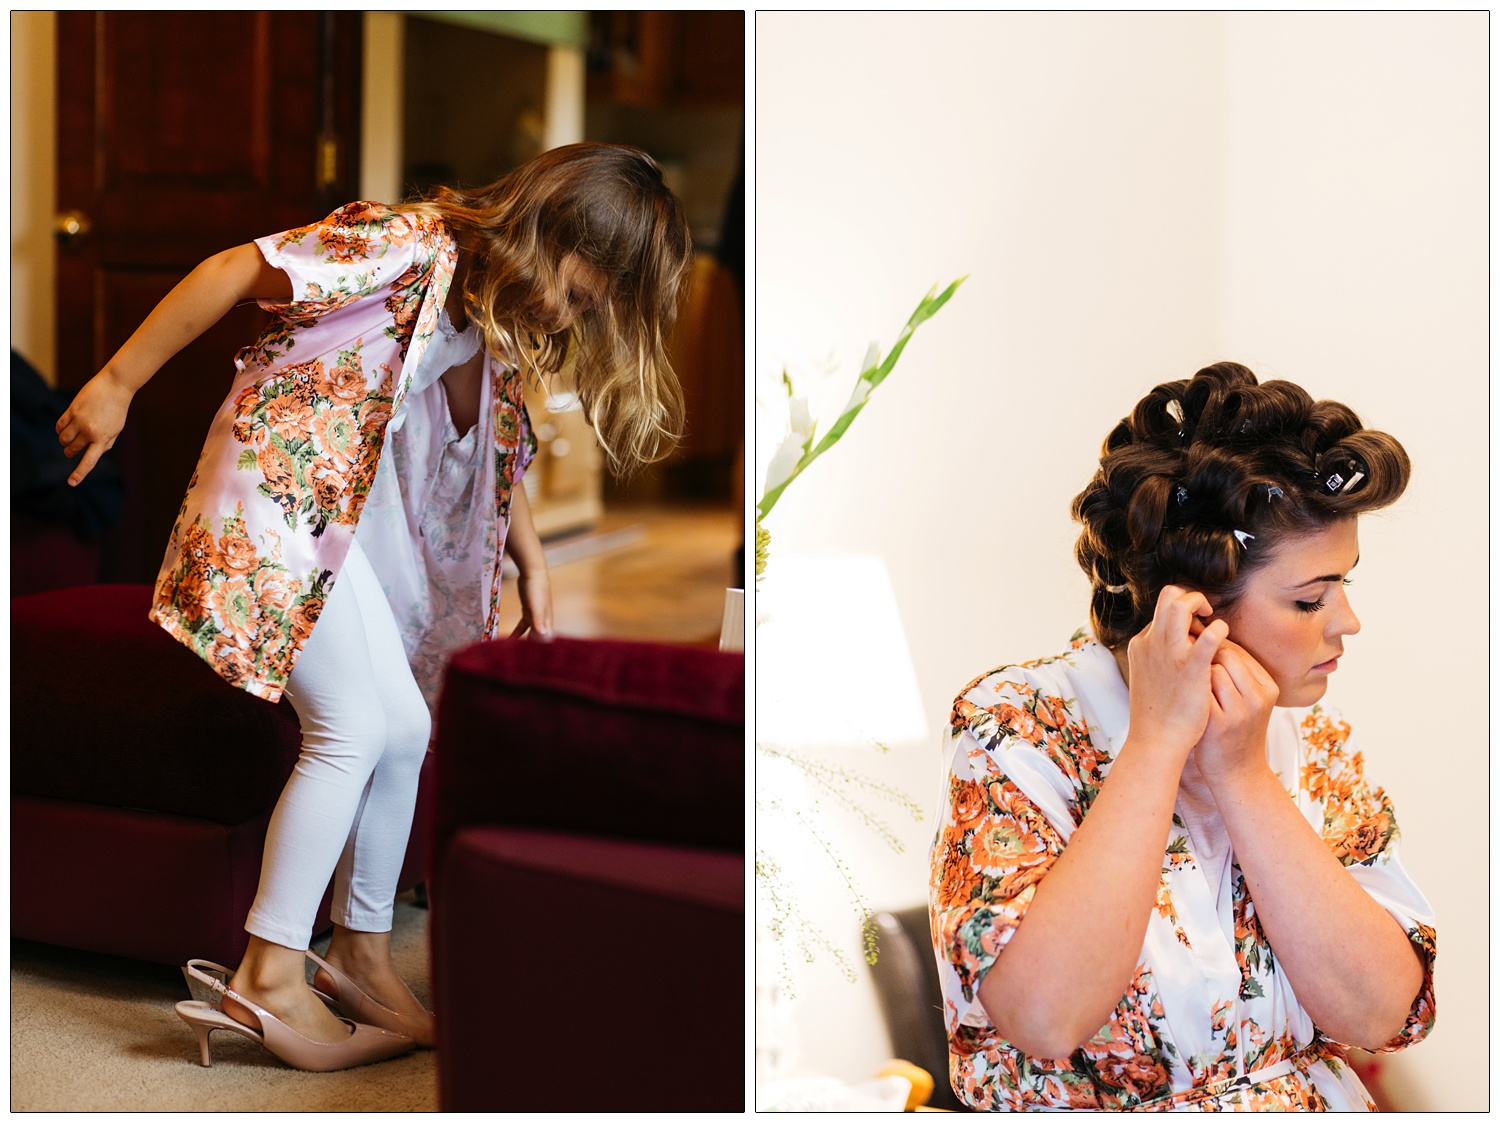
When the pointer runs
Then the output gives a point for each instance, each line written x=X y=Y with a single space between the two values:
x=607 y=204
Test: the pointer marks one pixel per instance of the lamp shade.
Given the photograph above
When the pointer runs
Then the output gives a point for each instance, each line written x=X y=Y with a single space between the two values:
x=831 y=664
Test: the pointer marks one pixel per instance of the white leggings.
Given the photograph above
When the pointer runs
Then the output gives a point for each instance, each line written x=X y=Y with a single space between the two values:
x=347 y=809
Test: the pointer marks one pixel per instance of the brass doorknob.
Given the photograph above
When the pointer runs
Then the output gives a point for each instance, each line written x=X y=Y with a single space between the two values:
x=71 y=227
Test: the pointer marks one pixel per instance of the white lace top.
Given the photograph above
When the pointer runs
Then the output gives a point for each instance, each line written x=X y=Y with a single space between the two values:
x=432 y=544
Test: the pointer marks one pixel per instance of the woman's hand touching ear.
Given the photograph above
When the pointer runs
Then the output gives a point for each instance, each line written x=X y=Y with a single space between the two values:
x=1170 y=661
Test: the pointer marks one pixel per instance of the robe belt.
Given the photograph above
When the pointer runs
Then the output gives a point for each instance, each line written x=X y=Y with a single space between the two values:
x=1217 y=1088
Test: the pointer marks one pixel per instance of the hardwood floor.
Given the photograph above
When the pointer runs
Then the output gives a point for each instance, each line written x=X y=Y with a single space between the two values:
x=661 y=575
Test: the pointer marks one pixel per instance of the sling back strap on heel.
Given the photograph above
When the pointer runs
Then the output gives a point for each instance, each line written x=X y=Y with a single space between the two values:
x=205 y=992
x=352 y=1002
x=365 y=1044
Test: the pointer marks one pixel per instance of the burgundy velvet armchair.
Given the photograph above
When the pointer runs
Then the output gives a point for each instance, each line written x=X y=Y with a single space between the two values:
x=588 y=879
x=141 y=784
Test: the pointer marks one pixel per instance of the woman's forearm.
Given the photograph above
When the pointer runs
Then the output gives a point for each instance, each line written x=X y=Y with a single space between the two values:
x=1350 y=965
x=1072 y=957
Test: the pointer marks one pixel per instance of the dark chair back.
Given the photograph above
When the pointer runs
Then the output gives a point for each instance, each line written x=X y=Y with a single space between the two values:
x=906 y=982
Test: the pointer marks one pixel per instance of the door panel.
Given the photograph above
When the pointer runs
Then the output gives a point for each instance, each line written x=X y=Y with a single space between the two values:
x=153 y=138
x=181 y=134
x=169 y=417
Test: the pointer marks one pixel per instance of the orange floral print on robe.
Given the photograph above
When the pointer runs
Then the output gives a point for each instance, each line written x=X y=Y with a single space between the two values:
x=292 y=453
x=1030 y=746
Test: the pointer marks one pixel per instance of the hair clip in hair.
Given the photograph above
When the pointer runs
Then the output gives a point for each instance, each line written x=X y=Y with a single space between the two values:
x=1244 y=539
x=1174 y=411
x=1273 y=492
x=1182 y=495
x=1337 y=483
x=1116 y=588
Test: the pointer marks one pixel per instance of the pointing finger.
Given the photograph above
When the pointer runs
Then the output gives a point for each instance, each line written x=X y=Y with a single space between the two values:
x=86 y=465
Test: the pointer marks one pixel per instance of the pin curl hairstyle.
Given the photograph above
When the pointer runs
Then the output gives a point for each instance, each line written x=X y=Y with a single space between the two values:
x=607 y=204
x=1198 y=460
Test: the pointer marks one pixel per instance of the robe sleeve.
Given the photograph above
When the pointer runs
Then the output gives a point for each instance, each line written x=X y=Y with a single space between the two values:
x=1359 y=827
x=1003 y=824
x=359 y=249
x=515 y=442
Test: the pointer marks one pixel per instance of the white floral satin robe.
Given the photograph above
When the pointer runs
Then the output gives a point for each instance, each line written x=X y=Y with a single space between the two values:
x=293 y=452
x=1030 y=747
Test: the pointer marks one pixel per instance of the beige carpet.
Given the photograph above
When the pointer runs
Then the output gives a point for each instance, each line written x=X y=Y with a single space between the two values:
x=98 y=1033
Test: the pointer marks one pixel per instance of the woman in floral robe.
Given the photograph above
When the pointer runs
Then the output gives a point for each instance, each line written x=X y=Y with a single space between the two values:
x=1162 y=880
x=388 y=389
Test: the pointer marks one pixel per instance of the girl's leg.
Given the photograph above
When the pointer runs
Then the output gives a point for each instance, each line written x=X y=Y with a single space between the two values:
x=364 y=887
x=338 y=701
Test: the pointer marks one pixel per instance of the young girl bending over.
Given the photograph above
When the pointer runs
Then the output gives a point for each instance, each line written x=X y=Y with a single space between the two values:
x=343 y=531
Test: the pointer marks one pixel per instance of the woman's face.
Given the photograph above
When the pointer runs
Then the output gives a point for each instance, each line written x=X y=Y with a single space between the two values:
x=1294 y=611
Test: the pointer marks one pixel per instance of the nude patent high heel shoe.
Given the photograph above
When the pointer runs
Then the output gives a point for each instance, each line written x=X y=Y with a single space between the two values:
x=365 y=1044
x=352 y=1002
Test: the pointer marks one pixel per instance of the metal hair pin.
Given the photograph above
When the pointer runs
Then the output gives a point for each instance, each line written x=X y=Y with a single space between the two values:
x=1116 y=588
x=1182 y=495
x=1244 y=539
x=1336 y=483
x=1174 y=411
x=1273 y=492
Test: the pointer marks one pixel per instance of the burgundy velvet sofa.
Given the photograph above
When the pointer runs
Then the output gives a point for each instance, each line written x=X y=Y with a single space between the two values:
x=588 y=878
x=141 y=784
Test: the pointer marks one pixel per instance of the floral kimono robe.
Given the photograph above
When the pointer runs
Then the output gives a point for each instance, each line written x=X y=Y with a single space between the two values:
x=1208 y=1004
x=293 y=452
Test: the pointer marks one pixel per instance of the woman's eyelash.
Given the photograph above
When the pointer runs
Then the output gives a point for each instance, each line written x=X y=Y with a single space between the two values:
x=1317 y=605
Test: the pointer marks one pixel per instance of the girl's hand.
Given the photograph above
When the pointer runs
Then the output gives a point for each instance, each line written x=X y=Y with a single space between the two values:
x=536 y=606
x=1170 y=662
x=93 y=421
x=1233 y=745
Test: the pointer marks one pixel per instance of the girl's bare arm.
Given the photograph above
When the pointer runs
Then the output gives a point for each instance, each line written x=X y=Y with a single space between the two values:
x=96 y=415
x=535 y=585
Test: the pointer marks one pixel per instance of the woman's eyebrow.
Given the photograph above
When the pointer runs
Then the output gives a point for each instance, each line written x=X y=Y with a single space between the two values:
x=1323 y=580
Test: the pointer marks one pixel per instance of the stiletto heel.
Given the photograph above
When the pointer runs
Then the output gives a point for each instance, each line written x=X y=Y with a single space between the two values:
x=202 y=1030
x=352 y=1002
x=364 y=1045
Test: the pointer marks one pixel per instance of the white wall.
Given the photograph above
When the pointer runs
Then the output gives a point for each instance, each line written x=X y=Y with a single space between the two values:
x=1135 y=195
x=1356 y=261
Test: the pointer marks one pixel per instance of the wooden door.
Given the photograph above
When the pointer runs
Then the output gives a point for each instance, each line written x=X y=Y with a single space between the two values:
x=181 y=134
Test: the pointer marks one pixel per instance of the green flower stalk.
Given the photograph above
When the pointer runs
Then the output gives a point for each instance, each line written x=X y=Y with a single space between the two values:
x=797 y=451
